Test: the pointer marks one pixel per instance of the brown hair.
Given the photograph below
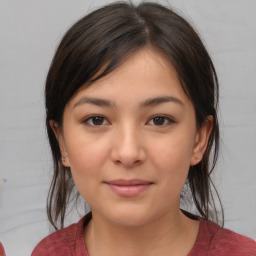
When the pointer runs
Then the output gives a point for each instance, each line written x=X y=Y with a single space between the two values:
x=104 y=39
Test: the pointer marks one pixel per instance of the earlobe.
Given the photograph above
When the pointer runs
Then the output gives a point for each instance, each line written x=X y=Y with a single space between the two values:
x=65 y=160
x=201 y=141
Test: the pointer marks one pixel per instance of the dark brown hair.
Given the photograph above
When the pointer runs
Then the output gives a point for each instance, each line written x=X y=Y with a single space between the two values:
x=104 y=39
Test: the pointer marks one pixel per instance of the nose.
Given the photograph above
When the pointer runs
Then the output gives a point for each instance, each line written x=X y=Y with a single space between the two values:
x=128 y=147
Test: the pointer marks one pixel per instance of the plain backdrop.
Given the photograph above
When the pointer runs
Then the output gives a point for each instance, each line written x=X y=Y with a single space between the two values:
x=29 y=33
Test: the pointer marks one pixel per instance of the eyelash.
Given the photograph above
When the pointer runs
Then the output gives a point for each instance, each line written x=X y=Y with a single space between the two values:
x=167 y=120
x=89 y=120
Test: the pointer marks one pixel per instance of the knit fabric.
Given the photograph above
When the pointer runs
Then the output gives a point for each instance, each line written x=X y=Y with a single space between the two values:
x=2 y=253
x=212 y=240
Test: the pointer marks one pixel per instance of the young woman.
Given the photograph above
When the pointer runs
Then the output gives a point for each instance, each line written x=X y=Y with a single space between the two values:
x=131 y=114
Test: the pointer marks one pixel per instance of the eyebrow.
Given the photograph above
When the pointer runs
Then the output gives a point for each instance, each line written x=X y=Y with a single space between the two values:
x=95 y=101
x=160 y=100
x=147 y=103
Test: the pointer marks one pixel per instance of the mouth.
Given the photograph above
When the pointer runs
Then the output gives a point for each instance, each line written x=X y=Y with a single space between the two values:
x=128 y=188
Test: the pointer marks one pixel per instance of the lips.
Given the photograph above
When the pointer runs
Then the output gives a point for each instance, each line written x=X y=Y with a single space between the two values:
x=128 y=188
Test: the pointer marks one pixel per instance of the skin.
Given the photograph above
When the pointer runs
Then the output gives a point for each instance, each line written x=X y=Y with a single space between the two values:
x=128 y=142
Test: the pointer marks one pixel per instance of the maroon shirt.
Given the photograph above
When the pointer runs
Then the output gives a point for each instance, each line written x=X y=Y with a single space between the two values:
x=2 y=253
x=211 y=241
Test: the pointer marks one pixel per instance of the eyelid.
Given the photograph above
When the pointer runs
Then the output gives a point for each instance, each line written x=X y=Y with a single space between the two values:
x=166 y=117
x=86 y=120
x=170 y=120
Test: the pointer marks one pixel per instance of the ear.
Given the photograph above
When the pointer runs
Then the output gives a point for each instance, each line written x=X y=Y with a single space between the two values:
x=201 y=140
x=59 y=136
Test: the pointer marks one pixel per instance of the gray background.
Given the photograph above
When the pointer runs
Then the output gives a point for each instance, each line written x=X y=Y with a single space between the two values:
x=30 y=31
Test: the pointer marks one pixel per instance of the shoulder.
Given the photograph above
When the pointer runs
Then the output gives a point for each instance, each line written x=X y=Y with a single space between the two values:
x=227 y=242
x=57 y=243
x=62 y=242
x=2 y=253
x=220 y=241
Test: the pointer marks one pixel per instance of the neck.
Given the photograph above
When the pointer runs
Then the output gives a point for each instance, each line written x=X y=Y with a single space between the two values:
x=159 y=237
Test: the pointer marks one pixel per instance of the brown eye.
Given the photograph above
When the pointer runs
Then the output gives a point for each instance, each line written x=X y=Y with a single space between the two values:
x=95 y=121
x=159 y=120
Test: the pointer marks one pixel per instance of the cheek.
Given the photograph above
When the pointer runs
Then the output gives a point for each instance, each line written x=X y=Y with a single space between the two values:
x=172 y=173
x=172 y=156
x=173 y=152
x=86 y=153
x=86 y=160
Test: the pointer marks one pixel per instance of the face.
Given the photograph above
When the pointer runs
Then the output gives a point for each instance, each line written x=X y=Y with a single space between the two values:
x=130 y=139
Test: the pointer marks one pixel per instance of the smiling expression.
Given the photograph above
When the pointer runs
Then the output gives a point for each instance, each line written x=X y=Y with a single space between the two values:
x=130 y=139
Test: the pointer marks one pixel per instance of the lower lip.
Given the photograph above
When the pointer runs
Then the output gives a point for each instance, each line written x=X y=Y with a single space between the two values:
x=129 y=191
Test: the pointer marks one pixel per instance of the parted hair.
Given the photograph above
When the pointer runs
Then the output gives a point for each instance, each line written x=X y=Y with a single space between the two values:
x=96 y=45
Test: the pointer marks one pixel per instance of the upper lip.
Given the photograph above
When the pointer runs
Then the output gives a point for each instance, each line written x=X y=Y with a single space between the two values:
x=122 y=182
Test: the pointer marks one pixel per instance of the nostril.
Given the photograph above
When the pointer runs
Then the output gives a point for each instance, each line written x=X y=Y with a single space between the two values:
x=129 y=163
x=128 y=151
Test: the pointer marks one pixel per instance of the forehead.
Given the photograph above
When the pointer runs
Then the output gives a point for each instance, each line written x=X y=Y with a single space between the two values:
x=145 y=73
